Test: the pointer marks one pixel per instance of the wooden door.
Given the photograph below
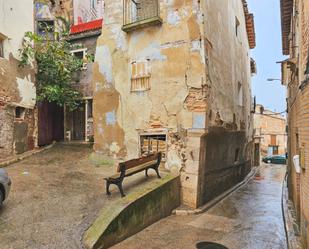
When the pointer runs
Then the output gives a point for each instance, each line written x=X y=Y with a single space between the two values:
x=256 y=154
x=50 y=123
x=79 y=123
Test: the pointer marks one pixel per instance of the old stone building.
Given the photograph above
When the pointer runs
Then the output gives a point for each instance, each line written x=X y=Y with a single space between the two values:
x=295 y=76
x=269 y=133
x=17 y=90
x=169 y=76
x=83 y=21
x=174 y=76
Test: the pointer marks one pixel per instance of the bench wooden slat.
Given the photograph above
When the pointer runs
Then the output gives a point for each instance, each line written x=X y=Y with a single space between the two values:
x=137 y=161
x=131 y=167
x=135 y=169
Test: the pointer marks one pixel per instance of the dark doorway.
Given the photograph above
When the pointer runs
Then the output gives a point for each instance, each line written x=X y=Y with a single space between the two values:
x=50 y=123
x=79 y=123
x=256 y=154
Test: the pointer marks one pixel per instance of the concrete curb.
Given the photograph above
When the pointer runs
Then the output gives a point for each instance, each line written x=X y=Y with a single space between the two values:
x=218 y=198
x=25 y=155
x=127 y=216
x=290 y=224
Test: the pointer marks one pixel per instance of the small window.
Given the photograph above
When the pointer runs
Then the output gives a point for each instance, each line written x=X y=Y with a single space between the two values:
x=273 y=140
x=240 y=94
x=2 y=39
x=237 y=26
x=81 y=54
x=236 y=155
x=46 y=28
x=140 y=75
x=93 y=4
x=89 y=108
x=1 y=48
x=20 y=112
x=153 y=143
x=140 y=13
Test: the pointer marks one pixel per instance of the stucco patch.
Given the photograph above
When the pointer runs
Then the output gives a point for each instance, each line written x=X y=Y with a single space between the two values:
x=27 y=92
x=152 y=52
x=105 y=67
x=110 y=118
x=42 y=11
x=173 y=18
x=119 y=37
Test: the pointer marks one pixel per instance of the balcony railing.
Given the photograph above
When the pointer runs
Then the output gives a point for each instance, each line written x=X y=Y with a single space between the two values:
x=140 y=13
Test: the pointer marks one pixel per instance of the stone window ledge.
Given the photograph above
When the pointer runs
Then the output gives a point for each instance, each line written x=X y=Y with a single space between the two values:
x=141 y=24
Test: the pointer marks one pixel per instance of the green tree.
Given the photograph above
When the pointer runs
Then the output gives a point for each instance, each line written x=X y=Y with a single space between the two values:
x=54 y=65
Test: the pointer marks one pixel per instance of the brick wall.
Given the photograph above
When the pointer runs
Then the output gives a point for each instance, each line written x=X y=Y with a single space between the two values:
x=301 y=117
x=6 y=132
x=304 y=179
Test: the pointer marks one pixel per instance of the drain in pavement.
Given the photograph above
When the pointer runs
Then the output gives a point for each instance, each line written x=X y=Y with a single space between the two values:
x=209 y=245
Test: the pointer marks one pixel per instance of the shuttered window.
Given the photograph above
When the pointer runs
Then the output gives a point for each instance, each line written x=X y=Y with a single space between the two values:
x=140 y=75
x=273 y=140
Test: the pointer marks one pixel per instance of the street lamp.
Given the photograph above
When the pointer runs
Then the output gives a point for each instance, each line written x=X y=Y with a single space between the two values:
x=274 y=79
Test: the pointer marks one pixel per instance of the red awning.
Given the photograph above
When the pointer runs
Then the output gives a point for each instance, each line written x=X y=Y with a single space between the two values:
x=87 y=26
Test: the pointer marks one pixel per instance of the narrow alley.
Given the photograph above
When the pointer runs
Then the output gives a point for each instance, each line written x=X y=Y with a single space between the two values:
x=250 y=218
x=157 y=124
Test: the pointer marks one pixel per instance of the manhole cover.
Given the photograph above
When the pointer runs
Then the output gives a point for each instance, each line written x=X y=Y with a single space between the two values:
x=209 y=245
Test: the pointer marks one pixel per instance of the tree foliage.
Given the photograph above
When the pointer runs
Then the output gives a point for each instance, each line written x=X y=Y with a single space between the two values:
x=55 y=65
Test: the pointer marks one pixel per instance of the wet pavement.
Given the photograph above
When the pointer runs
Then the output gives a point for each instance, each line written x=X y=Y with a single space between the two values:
x=55 y=196
x=249 y=218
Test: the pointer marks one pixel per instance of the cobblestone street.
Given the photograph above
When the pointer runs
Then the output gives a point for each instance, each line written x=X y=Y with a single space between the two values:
x=250 y=218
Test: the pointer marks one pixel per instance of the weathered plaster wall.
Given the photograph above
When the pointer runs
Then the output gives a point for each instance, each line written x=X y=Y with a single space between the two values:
x=86 y=11
x=17 y=86
x=165 y=47
x=196 y=65
x=226 y=148
x=60 y=11
x=301 y=112
x=268 y=124
x=228 y=57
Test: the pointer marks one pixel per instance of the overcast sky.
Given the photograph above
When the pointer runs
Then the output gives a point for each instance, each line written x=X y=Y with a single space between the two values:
x=267 y=52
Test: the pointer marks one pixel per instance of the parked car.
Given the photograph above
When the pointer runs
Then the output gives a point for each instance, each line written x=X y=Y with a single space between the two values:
x=276 y=159
x=5 y=185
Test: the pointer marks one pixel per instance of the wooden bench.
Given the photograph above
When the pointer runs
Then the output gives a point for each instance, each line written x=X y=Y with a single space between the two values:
x=132 y=167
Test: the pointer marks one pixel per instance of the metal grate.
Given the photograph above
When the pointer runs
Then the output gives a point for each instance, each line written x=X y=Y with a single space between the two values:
x=209 y=245
x=139 y=10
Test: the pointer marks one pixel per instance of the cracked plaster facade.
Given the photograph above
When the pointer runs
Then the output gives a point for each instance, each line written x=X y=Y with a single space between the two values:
x=199 y=95
x=17 y=88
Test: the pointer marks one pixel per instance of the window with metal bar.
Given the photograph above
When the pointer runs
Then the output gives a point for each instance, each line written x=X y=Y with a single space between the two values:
x=140 y=12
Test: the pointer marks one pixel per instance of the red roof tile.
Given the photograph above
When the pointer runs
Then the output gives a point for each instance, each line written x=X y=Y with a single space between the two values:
x=87 y=26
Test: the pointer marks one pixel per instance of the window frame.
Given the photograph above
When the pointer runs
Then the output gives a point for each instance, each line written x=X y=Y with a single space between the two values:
x=41 y=32
x=240 y=94
x=153 y=135
x=20 y=115
x=84 y=50
x=143 y=76
x=1 y=48
x=131 y=20
x=237 y=27
x=2 y=40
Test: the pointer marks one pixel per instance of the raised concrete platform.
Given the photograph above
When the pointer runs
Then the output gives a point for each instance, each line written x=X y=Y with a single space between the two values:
x=123 y=217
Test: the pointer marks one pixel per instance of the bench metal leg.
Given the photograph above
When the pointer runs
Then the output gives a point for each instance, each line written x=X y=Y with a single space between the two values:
x=121 y=189
x=107 y=188
x=157 y=171
x=146 y=172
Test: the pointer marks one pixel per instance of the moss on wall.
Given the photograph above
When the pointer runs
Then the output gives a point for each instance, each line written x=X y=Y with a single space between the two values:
x=129 y=215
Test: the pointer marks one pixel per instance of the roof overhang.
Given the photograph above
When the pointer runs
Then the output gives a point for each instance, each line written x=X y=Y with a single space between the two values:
x=286 y=18
x=86 y=27
x=249 y=25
